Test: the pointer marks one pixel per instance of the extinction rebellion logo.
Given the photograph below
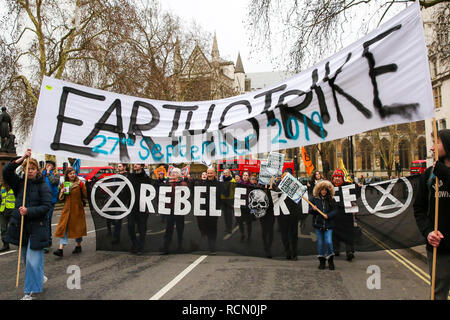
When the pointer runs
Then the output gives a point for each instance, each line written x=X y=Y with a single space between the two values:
x=103 y=189
x=388 y=200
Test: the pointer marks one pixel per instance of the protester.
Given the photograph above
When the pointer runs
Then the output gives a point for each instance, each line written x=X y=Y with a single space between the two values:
x=174 y=219
x=227 y=192
x=7 y=207
x=237 y=178
x=72 y=222
x=424 y=212
x=35 y=236
x=138 y=218
x=124 y=197
x=204 y=175
x=344 y=223
x=161 y=177
x=52 y=177
x=208 y=224
x=267 y=223
x=246 y=217
x=315 y=177
x=254 y=180
x=323 y=200
x=288 y=223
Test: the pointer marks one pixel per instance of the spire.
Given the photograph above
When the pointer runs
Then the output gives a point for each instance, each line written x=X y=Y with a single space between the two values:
x=215 y=50
x=239 y=66
x=177 y=61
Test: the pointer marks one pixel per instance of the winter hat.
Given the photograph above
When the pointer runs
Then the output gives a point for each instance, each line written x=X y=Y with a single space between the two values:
x=51 y=162
x=338 y=173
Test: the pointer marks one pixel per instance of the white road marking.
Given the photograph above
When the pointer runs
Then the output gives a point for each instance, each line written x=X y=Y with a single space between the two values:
x=177 y=279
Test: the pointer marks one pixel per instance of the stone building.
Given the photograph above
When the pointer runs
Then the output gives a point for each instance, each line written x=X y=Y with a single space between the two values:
x=437 y=35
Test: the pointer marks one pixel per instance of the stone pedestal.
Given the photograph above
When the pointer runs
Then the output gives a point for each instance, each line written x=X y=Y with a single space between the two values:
x=5 y=158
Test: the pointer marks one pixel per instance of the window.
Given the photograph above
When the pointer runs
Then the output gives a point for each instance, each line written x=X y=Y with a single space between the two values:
x=437 y=97
x=404 y=150
x=366 y=155
x=384 y=145
x=346 y=155
x=442 y=124
x=421 y=148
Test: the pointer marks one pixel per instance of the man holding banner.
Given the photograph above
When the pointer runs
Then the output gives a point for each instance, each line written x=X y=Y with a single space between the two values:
x=424 y=212
x=137 y=218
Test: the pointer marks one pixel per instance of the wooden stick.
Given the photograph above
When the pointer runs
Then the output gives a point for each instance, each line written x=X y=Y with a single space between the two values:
x=436 y=213
x=325 y=216
x=21 y=223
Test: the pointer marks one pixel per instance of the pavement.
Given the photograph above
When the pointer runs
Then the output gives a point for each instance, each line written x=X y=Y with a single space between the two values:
x=419 y=252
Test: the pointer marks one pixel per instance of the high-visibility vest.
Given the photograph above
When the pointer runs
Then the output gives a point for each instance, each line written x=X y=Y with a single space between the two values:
x=8 y=200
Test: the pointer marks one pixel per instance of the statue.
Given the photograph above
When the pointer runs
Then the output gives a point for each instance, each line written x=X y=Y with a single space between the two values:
x=7 y=138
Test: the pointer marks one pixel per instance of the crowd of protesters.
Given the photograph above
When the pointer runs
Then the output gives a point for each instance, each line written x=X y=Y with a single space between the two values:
x=331 y=224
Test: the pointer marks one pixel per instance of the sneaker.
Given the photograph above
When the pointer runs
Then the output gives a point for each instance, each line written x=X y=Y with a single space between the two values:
x=27 y=297
x=46 y=250
x=45 y=279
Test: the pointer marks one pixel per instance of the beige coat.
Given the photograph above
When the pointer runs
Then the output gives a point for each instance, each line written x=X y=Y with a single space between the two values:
x=73 y=218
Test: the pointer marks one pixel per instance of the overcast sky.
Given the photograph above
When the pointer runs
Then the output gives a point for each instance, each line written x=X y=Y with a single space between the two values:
x=227 y=18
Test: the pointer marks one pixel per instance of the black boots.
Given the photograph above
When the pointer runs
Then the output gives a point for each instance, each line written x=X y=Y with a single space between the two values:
x=5 y=247
x=76 y=250
x=322 y=263
x=331 y=263
x=58 y=252
x=323 y=260
x=350 y=256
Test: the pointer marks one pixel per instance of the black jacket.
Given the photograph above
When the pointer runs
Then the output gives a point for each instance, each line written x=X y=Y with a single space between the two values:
x=319 y=221
x=38 y=202
x=424 y=205
x=136 y=180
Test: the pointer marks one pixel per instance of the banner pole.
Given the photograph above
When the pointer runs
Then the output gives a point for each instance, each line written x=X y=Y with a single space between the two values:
x=21 y=224
x=303 y=197
x=436 y=212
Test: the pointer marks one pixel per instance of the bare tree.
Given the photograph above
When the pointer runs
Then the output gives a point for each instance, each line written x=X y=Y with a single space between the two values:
x=118 y=45
x=313 y=30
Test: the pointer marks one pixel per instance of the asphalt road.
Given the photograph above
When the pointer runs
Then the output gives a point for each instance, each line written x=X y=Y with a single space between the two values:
x=105 y=275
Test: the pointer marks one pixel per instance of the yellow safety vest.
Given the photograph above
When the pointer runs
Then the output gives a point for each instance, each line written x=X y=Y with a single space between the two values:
x=8 y=200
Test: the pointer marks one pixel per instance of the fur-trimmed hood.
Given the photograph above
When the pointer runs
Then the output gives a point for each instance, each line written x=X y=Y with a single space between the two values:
x=320 y=184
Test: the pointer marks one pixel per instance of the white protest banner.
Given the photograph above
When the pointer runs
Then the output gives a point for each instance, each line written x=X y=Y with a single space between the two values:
x=292 y=187
x=380 y=80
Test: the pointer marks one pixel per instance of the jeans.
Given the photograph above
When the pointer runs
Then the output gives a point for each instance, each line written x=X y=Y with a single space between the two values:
x=324 y=242
x=34 y=269
x=64 y=241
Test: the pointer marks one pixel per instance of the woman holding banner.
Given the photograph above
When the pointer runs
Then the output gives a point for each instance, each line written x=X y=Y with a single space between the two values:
x=323 y=200
x=32 y=211
x=424 y=212
x=72 y=222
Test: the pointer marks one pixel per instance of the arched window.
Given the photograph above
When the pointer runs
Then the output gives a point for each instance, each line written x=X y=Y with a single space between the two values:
x=422 y=148
x=403 y=152
x=384 y=145
x=346 y=156
x=332 y=157
x=312 y=155
x=366 y=150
